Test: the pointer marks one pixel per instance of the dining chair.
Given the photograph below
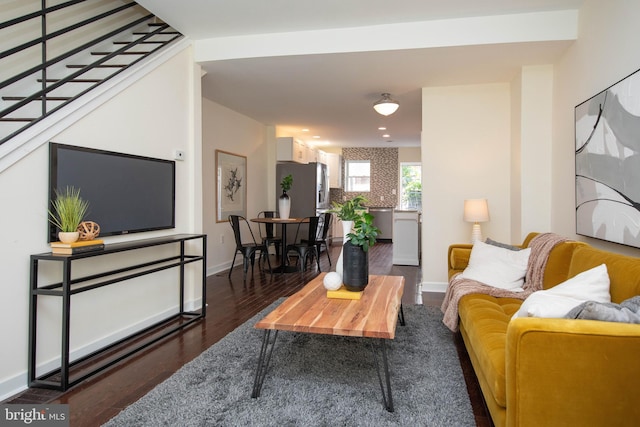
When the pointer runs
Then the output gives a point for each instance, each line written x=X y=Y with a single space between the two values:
x=267 y=232
x=249 y=249
x=321 y=236
x=306 y=246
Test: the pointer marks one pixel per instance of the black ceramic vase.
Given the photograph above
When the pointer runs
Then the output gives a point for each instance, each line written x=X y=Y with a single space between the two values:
x=355 y=271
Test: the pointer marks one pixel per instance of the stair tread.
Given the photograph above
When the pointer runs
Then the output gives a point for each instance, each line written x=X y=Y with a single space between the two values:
x=142 y=42
x=16 y=119
x=49 y=98
x=143 y=33
x=73 y=80
x=98 y=66
x=121 y=53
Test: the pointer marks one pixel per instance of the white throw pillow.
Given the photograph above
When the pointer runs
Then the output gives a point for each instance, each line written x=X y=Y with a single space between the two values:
x=556 y=302
x=498 y=267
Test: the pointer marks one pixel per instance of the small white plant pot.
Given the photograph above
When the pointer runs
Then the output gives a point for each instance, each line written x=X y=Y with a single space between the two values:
x=68 y=236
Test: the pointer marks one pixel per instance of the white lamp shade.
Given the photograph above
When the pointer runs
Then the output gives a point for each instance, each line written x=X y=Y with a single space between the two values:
x=386 y=106
x=476 y=210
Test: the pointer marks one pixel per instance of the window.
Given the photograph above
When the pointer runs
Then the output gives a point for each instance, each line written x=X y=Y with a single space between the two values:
x=358 y=174
x=411 y=185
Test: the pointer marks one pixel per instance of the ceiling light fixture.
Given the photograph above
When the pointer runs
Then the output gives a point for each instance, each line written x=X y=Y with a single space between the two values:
x=386 y=106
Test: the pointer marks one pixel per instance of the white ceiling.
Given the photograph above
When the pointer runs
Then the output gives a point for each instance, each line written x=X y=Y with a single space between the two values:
x=332 y=93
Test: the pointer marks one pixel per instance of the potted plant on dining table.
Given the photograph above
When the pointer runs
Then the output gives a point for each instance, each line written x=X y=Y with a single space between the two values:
x=284 y=201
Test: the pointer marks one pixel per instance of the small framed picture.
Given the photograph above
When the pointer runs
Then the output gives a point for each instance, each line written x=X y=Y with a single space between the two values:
x=231 y=185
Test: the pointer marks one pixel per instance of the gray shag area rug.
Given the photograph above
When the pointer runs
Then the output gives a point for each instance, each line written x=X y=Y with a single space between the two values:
x=314 y=380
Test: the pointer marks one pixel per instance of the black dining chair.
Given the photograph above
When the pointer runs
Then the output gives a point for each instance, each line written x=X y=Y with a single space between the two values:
x=321 y=236
x=267 y=232
x=249 y=249
x=306 y=246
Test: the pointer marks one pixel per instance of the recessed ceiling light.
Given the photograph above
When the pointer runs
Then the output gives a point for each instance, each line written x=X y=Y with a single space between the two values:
x=382 y=128
x=386 y=135
x=316 y=136
x=305 y=130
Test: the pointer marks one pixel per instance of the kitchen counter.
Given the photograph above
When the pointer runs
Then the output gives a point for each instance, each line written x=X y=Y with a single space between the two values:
x=406 y=231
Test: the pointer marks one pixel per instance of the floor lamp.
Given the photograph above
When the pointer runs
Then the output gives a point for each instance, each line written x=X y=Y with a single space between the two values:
x=476 y=211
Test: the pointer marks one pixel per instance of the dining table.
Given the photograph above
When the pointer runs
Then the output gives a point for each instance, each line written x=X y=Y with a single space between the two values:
x=284 y=267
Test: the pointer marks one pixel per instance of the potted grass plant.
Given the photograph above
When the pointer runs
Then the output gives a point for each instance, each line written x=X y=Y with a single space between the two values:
x=356 y=261
x=67 y=212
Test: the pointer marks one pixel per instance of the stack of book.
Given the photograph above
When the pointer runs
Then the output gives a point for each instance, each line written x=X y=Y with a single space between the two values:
x=344 y=293
x=78 y=247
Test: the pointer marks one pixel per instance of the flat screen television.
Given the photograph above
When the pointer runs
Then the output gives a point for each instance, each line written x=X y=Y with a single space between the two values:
x=126 y=193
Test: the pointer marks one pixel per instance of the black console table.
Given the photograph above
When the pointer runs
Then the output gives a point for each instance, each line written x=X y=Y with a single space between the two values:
x=72 y=372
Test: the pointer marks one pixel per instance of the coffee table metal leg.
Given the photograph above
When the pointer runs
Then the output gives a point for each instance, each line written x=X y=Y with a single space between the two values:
x=401 y=316
x=387 y=398
x=263 y=360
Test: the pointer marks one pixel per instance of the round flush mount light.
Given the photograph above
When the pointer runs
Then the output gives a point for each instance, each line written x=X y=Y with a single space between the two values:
x=386 y=106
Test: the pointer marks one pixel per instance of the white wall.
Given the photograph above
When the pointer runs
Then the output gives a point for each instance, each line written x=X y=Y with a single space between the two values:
x=465 y=154
x=606 y=52
x=153 y=117
x=226 y=130
x=534 y=188
x=409 y=154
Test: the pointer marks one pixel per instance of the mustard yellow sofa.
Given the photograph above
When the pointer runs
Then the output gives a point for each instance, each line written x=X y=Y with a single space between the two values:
x=555 y=372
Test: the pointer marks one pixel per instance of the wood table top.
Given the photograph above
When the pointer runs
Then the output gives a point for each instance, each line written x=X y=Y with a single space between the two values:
x=374 y=315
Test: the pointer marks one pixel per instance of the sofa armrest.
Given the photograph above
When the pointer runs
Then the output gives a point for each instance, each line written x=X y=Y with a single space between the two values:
x=458 y=258
x=571 y=372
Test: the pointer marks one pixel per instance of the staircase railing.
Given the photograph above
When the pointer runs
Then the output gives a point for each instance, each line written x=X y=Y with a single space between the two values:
x=142 y=32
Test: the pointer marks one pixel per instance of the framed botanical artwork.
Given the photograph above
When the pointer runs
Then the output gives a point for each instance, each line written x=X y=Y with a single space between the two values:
x=231 y=185
x=607 y=155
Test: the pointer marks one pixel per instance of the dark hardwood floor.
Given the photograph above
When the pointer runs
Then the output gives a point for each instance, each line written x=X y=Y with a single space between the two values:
x=230 y=302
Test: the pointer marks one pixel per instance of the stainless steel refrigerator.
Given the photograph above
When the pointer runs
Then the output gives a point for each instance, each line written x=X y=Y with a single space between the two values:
x=309 y=193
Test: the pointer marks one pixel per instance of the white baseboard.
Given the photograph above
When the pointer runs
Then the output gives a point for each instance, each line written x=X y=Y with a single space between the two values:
x=434 y=287
x=18 y=383
x=215 y=269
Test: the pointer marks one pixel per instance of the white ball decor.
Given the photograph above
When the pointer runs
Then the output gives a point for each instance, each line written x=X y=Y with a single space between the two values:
x=332 y=281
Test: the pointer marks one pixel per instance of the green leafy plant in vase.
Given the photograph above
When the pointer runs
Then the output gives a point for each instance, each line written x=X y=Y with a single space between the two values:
x=284 y=201
x=67 y=212
x=350 y=210
x=356 y=261
x=347 y=212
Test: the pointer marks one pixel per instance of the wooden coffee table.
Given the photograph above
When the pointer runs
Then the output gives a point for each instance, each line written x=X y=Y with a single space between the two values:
x=309 y=310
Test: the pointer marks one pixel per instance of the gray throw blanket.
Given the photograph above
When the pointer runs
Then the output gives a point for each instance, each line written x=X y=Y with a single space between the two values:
x=628 y=311
x=541 y=246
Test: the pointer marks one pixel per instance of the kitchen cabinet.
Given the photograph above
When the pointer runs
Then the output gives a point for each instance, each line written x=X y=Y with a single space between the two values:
x=311 y=154
x=334 y=165
x=322 y=157
x=291 y=150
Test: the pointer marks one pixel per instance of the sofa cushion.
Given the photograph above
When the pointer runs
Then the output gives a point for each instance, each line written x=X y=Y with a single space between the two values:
x=485 y=320
x=628 y=311
x=459 y=258
x=490 y=241
x=624 y=271
x=590 y=285
x=498 y=267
